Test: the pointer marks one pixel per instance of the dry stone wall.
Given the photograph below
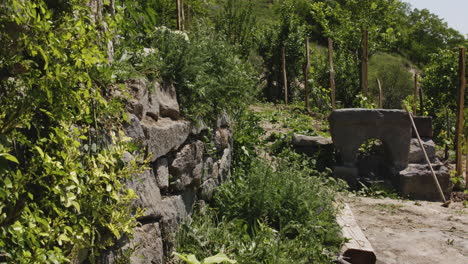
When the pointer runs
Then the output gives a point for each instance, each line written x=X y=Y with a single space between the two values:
x=181 y=170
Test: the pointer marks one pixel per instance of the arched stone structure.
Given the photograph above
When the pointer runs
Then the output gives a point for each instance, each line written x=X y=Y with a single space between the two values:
x=351 y=127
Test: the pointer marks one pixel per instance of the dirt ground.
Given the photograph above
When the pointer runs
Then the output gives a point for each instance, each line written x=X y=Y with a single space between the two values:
x=410 y=232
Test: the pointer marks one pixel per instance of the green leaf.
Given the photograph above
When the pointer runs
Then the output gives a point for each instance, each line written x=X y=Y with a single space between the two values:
x=218 y=258
x=9 y=157
x=191 y=259
x=8 y=183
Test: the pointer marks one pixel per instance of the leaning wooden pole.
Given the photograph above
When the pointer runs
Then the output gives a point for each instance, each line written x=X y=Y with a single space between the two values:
x=380 y=94
x=441 y=193
x=421 y=102
x=306 y=75
x=332 y=74
x=460 y=111
x=182 y=15
x=285 y=77
x=364 y=62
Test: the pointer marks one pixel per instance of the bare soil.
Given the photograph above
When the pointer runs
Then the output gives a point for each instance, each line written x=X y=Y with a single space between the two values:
x=413 y=232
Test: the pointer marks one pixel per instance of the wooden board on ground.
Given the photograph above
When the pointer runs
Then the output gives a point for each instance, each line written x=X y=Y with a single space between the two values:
x=358 y=250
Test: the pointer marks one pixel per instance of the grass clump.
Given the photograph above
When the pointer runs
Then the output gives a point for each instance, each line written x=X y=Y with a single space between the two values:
x=267 y=215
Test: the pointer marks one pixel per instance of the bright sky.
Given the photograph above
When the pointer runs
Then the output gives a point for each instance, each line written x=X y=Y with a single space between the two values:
x=454 y=12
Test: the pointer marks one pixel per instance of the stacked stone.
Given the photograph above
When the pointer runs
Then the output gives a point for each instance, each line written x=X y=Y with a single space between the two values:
x=181 y=172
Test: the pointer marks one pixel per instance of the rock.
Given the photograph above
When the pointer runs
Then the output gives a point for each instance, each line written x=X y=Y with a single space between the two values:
x=310 y=141
x=424 y=126
x=187 y=167
x=149 y=196
x=199 y=127
x=225 y=165
x=349 y=174
x=416 y=155
x=224 y=121
x=175 y=210
x=162 y=173
x=221 y=138
x=207 y=168
x=416 y=182
x=134 y=129
x=165 y=135
x=351 y=127
x=207 y=189
x=148 y=245
x=143 y=102
x=167 y=99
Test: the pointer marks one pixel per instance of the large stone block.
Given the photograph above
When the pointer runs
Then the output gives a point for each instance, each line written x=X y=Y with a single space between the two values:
x=165 y=135
x=424 y=126
x=187 y=167
x=134 y=129
x=149 y=196
x=161 y=169
x=351 y=127
x=416 y=154
x=349 y=174
x=417 y=182
x=147 y=244
x=143 y=102
x=166 y=97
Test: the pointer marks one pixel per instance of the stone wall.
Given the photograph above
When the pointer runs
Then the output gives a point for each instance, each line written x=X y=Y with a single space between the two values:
x=181 y=170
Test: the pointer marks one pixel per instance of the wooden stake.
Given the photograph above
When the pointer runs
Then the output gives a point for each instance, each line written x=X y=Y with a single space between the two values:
x=182 y=14
x=460 y=111
x=421 y=102
x=447 y=123
x=179 y=15
x=285 y=78
x=466 y=161
x=441 y=193
x=380 y=94
x=332 y=74
x=364 y=62
x=306 y=75
x=415 y=94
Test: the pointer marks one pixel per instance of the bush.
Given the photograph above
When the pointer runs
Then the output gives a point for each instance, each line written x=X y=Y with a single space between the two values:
x=395 y=78
x=264 y=215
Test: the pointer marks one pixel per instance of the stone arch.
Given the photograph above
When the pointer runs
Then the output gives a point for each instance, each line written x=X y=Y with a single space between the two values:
x=351 y=127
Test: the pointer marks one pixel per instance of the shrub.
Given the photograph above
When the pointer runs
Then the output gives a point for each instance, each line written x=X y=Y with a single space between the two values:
x=266 y=215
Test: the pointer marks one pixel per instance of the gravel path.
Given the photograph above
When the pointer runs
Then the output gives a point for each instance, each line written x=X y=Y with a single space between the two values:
x=410 y=232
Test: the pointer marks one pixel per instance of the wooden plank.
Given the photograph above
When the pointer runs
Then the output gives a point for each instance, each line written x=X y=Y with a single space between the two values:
x=380 y=94
x=358 y=250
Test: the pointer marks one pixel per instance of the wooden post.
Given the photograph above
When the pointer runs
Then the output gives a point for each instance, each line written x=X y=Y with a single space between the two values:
x=182 y=15
x=421 y=102
x=332 y=74
x=179 y=15
x=380 y=94
x=364 y=61
x=306 y=75
x=188 y=17
x=460 y=111
x=285 y=78
x=466 y=161
x=447 y=123
x=415 y=93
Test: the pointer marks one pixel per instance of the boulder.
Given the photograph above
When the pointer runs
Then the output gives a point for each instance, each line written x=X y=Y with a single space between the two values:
x=416 y=154
x=187 y=167
x=207 y=189
x=161 y=169
x=147 y=244
x=311 y=141
x=143 y=102
x=149 y=196
x=165 y=135
x=417 y=182
x=166 y=97
x=134 y=129
x=221 y=138
x=225 y=165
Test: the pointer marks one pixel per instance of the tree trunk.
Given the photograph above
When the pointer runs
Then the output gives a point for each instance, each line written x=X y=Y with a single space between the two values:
x=364 y=61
